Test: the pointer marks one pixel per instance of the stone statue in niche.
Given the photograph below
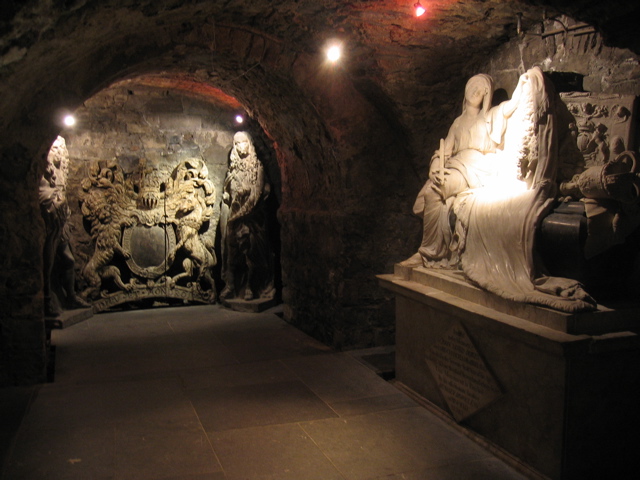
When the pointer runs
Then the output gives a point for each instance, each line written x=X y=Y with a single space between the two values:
x=248 y=265
x=59 y=262
x=147 y=230
x=490 y=183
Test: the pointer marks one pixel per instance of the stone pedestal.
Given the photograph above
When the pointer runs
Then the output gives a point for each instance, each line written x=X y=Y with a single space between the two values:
x=68 y=318
x=559 y=391
x=256 y=305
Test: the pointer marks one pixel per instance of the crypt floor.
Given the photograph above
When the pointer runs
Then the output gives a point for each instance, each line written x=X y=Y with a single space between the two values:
x=204 y=393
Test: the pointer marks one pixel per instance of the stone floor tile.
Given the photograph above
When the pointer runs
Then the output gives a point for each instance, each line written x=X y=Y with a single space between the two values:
x=338 y=377
x=268 y=371
x=197 y=476
x=386 y=443
x=267 y=337
x=63 y=453
x=159 y=403
x=277 y=452
x=158 y=452
x=14 y=402
x=360 y=406
x=484 y=469
x=254 y=405
x=54 y=406
x=149 y=401
x=176 y=352
x=169 y=360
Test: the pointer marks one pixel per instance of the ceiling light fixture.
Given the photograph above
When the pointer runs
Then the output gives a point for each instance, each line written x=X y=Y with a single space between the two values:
x=419 y=9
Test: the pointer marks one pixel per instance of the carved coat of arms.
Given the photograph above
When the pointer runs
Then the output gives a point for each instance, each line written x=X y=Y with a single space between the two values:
x=148 y=230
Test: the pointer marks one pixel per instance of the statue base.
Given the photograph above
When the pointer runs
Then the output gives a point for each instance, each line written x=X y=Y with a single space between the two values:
x=256 y=305
x=68 y=318
x=558 y=391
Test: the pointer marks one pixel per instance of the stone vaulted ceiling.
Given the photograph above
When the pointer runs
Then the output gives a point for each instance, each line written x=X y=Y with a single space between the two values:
x=396 y=83
x=391 y=56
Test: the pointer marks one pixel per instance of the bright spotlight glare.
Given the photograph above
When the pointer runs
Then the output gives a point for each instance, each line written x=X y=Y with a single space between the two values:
x=419 y=9
x=334 y=53
x=239 y=119
x=69 y=120
x=499 y=189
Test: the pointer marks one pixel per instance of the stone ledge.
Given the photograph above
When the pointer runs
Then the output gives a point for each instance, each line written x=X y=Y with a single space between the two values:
x=69 y=318
x=604 y=320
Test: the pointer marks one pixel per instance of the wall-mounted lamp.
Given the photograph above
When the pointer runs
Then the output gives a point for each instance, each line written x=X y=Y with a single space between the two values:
x=69 y=120
x=334 y=52
x=419 y=9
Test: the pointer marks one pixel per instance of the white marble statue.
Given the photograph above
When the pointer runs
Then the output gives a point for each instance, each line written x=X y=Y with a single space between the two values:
x=490 y=184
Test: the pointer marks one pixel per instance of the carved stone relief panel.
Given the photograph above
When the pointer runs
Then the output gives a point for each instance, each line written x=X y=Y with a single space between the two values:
x=147 y=229
x=604 y=129
x=604 y=124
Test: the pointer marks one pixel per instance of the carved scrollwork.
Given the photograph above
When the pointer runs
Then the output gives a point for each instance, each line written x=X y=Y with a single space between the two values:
x=609 y=184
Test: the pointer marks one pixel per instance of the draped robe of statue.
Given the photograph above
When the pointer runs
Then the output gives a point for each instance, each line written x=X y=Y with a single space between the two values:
x=483 y=216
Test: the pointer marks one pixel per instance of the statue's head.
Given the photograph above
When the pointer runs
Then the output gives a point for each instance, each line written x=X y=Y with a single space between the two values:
x=479 y=84
x=242 y=143
x=57 y=161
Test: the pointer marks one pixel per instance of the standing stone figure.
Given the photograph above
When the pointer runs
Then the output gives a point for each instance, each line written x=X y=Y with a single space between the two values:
x=59 y=275
x=247 y=263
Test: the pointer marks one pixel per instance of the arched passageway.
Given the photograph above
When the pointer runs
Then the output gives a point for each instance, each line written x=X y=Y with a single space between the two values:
x=149 y=170
x=320 y=128
x=350 y=140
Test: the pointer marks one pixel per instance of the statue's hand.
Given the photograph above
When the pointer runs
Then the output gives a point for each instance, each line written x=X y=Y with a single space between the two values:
x=438 y=180
x=434 y=168
x=435 y=175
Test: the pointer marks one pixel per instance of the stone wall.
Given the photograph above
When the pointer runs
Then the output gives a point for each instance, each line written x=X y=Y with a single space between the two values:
x=579 y=50
x=23 y=357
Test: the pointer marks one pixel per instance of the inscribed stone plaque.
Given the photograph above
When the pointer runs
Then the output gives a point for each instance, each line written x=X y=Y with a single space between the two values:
x=461 y=374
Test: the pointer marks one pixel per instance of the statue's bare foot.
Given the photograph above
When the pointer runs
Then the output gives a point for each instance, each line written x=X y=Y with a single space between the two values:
x=78 y=302
x=226 y=293
x=414 y=260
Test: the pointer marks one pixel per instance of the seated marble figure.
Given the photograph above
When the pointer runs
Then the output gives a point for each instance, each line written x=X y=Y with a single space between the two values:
x=490 y=183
